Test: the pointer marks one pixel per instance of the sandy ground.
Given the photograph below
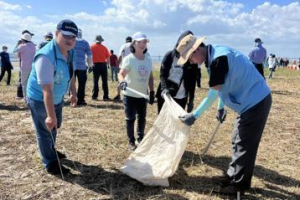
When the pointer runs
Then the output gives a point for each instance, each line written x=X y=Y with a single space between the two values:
x=94 y=139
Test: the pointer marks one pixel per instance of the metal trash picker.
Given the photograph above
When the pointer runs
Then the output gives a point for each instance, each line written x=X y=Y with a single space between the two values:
x=215 y=132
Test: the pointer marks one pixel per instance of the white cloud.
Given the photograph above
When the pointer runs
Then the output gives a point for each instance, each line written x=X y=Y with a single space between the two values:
x=7 y=6
x=28 y=6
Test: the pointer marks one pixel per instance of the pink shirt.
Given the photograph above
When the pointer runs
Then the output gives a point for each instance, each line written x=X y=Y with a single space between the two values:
x=26 y=52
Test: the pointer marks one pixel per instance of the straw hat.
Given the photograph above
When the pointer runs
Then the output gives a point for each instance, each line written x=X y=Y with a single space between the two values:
x=187 y=46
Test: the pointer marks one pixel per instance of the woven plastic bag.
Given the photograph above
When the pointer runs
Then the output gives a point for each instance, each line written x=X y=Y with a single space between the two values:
x=158 y=155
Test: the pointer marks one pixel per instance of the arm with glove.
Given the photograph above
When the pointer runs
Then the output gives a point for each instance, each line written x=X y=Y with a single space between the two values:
x=164 y=73
x=151 y=87
x=190 y=118
x=121 y=78
x=90 y=63
x=222 y=113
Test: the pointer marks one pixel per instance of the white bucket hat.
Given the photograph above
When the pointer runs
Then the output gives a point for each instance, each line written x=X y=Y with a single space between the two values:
x=26 y=36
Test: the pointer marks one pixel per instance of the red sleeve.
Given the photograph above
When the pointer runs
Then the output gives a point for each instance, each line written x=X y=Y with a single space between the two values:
x=108 y=54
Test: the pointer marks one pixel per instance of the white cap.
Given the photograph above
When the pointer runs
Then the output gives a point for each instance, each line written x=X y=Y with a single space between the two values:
x=139 y=36
x=26 y=36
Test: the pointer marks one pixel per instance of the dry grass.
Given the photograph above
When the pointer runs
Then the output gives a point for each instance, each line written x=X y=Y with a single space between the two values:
x=94 y=139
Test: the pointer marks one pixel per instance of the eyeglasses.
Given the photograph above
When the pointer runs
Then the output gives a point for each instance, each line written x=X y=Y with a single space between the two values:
x=69 y=37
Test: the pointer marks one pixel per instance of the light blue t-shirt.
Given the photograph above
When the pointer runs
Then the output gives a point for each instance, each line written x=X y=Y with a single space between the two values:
x=138 y=73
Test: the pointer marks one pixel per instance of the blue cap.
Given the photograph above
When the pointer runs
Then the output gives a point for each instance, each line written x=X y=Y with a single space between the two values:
x=67 y=27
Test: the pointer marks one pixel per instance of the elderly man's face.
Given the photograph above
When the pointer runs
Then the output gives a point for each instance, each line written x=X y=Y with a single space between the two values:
x=198 y=56
x=66 y=42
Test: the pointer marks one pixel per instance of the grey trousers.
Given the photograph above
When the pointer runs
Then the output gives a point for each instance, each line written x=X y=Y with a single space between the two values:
x=246 y=137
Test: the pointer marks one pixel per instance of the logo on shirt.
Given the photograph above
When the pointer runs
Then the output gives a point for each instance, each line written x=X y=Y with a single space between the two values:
x=143 y=71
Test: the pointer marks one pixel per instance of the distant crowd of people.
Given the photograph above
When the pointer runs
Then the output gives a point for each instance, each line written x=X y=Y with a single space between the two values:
x=49 y=73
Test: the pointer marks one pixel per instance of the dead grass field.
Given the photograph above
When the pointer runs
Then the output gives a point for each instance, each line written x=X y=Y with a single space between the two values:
x=94 y=139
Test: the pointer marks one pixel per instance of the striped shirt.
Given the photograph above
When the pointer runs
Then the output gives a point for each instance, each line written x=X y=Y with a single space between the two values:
x=81 y=48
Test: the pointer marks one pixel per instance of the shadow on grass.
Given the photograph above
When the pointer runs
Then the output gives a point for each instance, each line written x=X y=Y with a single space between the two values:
x=112 y=182
x=104 y=105
x=205 y=184
x=115 y=184
x=12 y=107
x=286 y=93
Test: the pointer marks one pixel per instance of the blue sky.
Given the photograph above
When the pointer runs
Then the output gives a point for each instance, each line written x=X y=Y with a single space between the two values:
x=235 y=23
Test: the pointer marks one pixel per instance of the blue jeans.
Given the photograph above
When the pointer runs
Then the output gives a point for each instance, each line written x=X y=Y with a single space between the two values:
x=44 y=140
x=135 y=106
x=114 y=73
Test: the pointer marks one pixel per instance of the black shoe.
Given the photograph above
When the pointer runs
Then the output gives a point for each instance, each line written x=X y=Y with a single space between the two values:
x=83 y=103
x=117 y=98
x=55 y=170
x=61 y=155
x=94 y=98
x=139 y=140
x=222 y=180
x=132 y=146
x=106 y=99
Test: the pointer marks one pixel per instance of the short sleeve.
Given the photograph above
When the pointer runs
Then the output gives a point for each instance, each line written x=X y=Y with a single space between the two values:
x=126 y=63
x=121 y=51
x=44 y=70
x=218 y=71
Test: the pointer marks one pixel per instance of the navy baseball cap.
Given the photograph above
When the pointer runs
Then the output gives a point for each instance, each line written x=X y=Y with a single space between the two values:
x=128 y=39
x=67 y=27
x=26 y=31
x=258 y=40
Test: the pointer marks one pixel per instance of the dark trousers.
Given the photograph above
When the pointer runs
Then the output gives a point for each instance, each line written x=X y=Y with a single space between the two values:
x=100 y=69
x=161 y=101
x=3 y=70
x=19 y=87
x=81 y=77
x=135 y=107
x=246 y=137
x=260 y=68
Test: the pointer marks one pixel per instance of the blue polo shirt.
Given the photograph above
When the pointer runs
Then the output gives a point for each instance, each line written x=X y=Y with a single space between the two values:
x=82 y=48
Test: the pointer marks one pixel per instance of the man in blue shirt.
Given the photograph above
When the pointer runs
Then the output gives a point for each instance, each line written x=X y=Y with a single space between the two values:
x=49 y=80
x=240 y=87
x=258 y=56
x=82 y=49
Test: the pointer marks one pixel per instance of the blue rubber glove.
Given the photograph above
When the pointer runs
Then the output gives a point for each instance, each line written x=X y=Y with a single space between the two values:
x=188 y=119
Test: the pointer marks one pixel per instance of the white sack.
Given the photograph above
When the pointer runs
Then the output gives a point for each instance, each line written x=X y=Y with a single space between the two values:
x=158 y=155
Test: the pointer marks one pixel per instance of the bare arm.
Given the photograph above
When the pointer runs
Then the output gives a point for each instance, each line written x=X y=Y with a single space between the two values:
x=119 y=61
x=151 y=82
x=51 y=120
x=122 y=74
x=73 y=92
